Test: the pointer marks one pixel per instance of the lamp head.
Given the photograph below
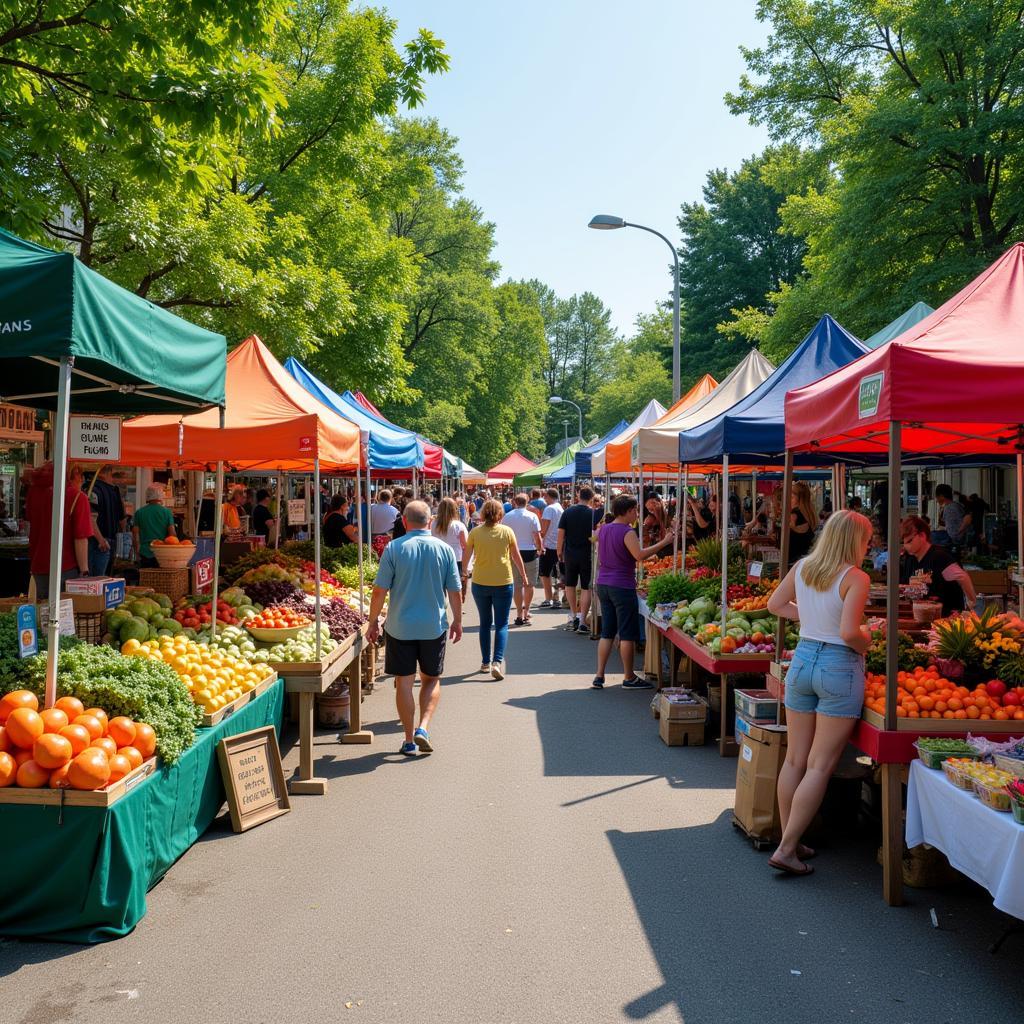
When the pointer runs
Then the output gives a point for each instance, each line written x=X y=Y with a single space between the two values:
x=555 y=400
x=605 y=222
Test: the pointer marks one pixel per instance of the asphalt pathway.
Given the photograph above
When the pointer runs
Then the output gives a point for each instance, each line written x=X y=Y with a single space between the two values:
x=551 y=862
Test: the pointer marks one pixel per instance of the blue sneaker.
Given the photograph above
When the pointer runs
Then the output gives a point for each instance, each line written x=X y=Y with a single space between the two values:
x=409 y=749
x=598 y=683
x=637 y=683
x=422 y=740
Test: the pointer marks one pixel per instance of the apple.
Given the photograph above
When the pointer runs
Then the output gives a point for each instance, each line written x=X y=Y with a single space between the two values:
x=1011 y=697
x=995 y=688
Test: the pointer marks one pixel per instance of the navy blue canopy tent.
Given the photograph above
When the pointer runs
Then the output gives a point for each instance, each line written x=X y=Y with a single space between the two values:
x=753 y=430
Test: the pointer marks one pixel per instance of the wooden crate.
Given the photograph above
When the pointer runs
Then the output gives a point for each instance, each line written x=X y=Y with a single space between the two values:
x=80 y=797
x=174 y=583
x=218 y=716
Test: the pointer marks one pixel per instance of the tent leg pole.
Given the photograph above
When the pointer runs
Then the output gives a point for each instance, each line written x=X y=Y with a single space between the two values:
x=317 y=615
x=1020 y=532
x=724 y=741
x=60 y=475
x=680 y=517
x=281 y=506
x=218 y=521
x=359 y=530
x=685 y=497
x=787 y=497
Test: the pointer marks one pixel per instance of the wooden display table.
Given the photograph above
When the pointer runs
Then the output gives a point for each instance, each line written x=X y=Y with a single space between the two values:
x=893 y=749
x=308 y=679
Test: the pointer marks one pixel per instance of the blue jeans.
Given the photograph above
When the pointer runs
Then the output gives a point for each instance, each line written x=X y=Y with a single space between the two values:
x=493 y=604
x=99 y=561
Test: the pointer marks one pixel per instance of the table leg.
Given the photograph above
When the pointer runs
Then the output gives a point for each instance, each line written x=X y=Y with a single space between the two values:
x=892 y=835
x=356 y=733
x=304 y=782
x=726 y=743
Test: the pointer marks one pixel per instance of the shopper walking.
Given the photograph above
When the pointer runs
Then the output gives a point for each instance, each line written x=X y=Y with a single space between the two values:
x=495 y=552
x=448 y=527
x=78 y=528
x=418 y=572
x=548 y=570
x=618 y=553
x=827 y=592
x=523 y=522
x=575 y=533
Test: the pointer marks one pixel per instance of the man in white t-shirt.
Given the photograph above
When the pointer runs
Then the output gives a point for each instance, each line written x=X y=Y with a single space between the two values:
x=549 y=559
x=382 y=514
x=523 y=522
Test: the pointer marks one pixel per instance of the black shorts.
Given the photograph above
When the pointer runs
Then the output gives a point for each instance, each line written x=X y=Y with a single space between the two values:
x=620 y=613
x=548 y=563
x=402 y=656
x=577 y=570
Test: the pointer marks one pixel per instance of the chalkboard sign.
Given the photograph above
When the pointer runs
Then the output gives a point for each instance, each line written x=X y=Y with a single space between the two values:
x=250 y=764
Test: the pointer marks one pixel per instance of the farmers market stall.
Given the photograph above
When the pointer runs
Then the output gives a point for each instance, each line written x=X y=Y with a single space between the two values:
x=579 y=465
x=272 y=423
x=99 y=861
x=948 y=387
x=536 y=475
x=509 y=468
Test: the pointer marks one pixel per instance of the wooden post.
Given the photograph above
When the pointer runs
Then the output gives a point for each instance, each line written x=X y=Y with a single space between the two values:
x=356 y=733
x=892 y=576
x=724 y=738
x=787 y=497
x=892 y=834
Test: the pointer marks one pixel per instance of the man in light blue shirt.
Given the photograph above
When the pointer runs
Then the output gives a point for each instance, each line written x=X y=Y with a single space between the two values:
x=418 y=571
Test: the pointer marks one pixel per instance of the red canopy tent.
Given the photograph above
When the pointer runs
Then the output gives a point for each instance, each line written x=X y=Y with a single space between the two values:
x=509 y=468
x=433 y=454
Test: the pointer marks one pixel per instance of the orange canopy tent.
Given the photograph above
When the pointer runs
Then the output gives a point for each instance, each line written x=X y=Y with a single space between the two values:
x=270 y=422
x=617 y=457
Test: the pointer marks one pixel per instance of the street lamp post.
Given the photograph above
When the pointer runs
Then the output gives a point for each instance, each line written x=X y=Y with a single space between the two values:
x=604 y=222
x=556 y=400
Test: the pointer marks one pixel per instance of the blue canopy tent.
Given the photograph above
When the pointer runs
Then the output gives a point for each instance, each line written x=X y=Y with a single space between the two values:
x=390 y=449
x=917 y=312
x=581 y=466
x=753 y=431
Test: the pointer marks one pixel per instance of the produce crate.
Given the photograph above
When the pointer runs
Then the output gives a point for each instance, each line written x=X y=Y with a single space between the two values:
x=934 y=758
x=80 y=797
x=694 y=710
x=89 y=626
x=172 y=582
x=215 y=717
x=758 y=706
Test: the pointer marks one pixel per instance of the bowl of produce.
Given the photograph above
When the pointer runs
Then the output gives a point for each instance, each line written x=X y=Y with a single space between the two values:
x=172 y=553
x=277 y=623
x=926 y=611
x=934 y=750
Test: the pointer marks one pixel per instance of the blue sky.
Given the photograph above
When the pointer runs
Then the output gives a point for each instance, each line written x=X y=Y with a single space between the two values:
x=569 y=108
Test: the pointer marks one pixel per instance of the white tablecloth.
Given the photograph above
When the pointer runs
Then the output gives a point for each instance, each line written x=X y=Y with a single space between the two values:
x=985 y=845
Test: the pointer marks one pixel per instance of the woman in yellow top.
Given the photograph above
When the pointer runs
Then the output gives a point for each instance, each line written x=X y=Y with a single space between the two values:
x=495 y=551
x=229 y=511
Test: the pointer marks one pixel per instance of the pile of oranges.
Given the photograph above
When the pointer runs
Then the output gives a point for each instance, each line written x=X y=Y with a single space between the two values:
x=67 y=746
x=279 y=617
x=924 y=693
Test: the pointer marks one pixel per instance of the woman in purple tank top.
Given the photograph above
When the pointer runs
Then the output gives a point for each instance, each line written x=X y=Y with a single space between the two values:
x=618 y=551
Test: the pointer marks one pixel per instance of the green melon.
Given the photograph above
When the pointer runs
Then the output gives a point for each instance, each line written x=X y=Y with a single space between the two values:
x=135 y=628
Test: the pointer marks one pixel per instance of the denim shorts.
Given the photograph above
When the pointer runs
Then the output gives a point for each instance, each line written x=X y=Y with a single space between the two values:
x=826 y=678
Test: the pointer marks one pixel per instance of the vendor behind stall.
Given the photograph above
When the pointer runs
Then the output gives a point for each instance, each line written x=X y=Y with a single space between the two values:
x=77 y=528
x=153 y=521
x=231 y=510
x=947 y=581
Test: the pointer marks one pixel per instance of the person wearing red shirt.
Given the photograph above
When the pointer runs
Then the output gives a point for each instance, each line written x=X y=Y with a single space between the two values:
x=77 y=528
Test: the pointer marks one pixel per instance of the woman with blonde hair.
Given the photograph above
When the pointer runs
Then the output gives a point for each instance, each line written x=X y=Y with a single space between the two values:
x=827 y=592
x=447 y=526
x=803 y=521
x=656 y=520
x=495 y=551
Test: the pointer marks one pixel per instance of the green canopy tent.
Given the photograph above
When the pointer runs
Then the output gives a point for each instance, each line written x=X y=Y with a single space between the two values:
x=535 y=477
x=71 y=339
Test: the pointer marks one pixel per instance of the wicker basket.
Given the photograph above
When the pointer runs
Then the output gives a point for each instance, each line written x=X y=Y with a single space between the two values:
x=172 y=582
x=89 y=627
x=173 y=556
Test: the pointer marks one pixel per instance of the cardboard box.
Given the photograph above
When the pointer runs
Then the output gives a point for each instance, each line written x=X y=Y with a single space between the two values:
x=762 y=752
x=110 y=588
x=675 y=733
x=694 y=710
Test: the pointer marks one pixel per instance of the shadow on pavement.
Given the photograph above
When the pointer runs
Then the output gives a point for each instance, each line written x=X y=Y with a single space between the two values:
x=737 y=943
x=611 y=732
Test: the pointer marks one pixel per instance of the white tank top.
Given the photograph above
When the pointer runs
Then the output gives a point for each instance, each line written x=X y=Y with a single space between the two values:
x=821 y=612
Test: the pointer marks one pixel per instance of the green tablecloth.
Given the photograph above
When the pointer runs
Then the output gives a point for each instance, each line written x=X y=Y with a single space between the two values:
x=86 y=879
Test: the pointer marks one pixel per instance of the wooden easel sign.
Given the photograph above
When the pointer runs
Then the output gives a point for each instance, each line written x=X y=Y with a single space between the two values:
x=250 y=765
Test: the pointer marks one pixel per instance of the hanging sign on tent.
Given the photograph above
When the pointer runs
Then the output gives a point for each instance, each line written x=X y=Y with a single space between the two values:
x=869 y=395
x=297 y=512
x=28 y=634
x=18 y=424
x=94 y=438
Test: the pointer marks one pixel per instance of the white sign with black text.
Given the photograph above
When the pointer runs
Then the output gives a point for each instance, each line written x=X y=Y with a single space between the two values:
x=94 y=438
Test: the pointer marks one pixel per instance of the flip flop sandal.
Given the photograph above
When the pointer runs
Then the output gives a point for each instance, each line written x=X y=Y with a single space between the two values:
x=787 y=870
x=805 y=852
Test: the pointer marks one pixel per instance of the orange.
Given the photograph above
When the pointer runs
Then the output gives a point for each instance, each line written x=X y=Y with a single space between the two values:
x=71 y=706
x=32 y=775
x=5 y=743
x=24 y=727
x=101 y=715
x=8 y=769
x=171 y=539
x=51 y=751
x=941 y=705
x=955 y=703
x=59 y=777
x=21 y=756
x=133 y=755
x=92 y=723
x=122 y=731
x=120 y=766
x=145 y=739
x=54 y=719
x=927 y=703
x=79 y=737
x=17 y=699
x=90 y=770
x=106 y=744
x=1001 y=715
x=973 y=712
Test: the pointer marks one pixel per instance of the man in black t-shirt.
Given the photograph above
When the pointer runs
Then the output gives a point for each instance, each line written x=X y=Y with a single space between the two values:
x=575 y=528
x=262 y=517
x=950 y=584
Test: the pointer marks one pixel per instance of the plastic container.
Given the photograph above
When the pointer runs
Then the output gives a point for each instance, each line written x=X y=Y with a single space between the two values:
x=935 y=758
x=993 y=796
x=1018 y=813
x=757 y=705
x=952 y=772
x=1013 y=765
